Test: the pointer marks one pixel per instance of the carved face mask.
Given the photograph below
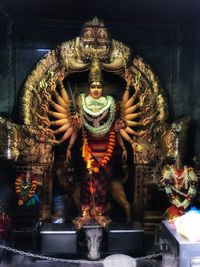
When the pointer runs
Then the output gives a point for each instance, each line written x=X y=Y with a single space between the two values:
x=95 y=38
x=88 y=37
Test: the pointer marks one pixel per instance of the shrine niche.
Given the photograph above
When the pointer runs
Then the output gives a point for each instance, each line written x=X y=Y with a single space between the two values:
x=58 y=111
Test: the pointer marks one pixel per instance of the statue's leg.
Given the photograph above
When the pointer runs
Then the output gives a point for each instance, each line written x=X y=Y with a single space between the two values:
x=84 y=217
x=118 y=194
x=77 y=197
x=101 y=184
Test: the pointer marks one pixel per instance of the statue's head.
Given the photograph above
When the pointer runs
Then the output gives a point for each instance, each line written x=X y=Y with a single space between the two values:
x=28 y=176
x=96 y=89
x=94 y=35
x=95 y=78
x=175 y=139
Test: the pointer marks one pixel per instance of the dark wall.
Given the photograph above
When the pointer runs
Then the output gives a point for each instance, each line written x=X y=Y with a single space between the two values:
x=172 y=52
x=196 y=86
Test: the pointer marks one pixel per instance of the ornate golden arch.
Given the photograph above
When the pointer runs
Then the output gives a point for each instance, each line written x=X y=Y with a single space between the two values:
x=76 y=56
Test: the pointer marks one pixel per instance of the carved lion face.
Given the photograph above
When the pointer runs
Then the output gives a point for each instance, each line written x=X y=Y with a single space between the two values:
x=95 y=38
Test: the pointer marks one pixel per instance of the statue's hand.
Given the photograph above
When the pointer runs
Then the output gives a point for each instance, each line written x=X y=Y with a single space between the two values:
x=52 y=85
x=54 y=142
x=128 y=78
x=124 y=155
x=48 y=130
x=142 y=99
x=146 y=121
x=76 y=121
x=47 y=122
x=119 y=124
x=68 y=155
x=61 y=75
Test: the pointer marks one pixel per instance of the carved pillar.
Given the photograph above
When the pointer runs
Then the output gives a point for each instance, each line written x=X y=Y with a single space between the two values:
x=147 y=204
x=47 y=195
x=138 y=193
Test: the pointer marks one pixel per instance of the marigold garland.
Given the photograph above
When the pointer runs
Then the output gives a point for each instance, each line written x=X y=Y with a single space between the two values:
x=31 y=191
x=86 y=152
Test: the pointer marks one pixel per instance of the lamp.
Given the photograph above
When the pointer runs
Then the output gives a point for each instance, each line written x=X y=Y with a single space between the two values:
x=8 y=154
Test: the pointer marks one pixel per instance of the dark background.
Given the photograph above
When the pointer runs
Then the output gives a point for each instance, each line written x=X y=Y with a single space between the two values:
x=165 y=33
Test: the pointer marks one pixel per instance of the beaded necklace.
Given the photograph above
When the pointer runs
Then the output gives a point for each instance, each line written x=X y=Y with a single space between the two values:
x=95 y=107
x=98 y=130
x=96 y=120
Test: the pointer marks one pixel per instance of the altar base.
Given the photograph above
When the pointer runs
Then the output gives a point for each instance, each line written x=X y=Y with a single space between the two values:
x=59 y=239
x=185 y=252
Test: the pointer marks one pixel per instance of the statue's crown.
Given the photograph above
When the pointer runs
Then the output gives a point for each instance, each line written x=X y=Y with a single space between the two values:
x=95 y=22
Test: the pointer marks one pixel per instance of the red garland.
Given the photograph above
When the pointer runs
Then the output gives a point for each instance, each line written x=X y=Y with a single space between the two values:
x=108 y=154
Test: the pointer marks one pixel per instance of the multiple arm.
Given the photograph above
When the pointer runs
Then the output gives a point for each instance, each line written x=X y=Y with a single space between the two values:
x=67 y=125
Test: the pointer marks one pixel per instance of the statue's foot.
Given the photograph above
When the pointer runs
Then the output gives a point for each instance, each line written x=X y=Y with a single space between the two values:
x=103 y=220
x=82 y=219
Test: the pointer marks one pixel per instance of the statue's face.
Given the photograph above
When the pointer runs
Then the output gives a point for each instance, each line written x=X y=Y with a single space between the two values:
x=96 y=90
x=95 y=38
x=178 y=162
x=28 y=176
x=88 y=36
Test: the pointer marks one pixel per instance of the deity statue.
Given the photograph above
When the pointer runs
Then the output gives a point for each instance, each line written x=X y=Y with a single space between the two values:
x=180 y=183
x=25 y=188
x=98 y=116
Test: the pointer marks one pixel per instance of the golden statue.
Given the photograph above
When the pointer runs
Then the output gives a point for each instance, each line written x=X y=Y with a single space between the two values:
x=138 y=119
x=98 y=116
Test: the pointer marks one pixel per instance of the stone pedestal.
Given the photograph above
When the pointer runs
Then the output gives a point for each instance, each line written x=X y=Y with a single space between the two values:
x=58 y=239
x=125 y=238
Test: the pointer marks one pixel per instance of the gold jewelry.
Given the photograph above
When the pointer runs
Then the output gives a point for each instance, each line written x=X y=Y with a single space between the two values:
x=95 y=74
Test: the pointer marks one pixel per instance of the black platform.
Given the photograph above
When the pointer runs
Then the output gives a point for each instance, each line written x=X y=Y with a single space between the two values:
x=58 y=239
x=63 y=238
x=125 y=237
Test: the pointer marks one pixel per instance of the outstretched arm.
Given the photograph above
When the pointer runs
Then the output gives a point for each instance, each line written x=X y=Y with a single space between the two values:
x=122 y=145
x=72 y=140
x=63 y=91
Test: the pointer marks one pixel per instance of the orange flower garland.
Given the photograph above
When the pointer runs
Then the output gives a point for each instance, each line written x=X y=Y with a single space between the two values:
x=86 y=152
x=111 y=144
x=18 y=189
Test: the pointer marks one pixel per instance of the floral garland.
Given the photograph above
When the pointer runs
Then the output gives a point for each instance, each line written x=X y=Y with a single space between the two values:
x=86 y=152
x=95 y=107
x=184 y=176
x=19 y=189
x=188 y=197
x=105 y=127
x=170 y=190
